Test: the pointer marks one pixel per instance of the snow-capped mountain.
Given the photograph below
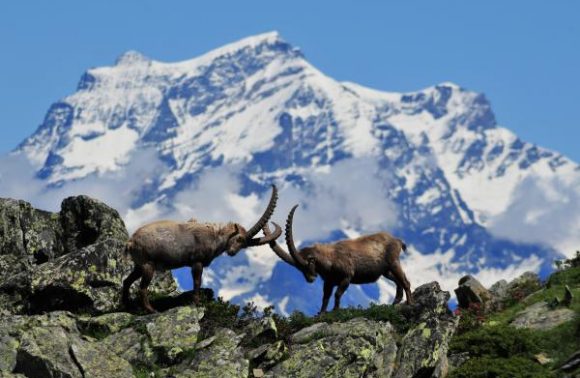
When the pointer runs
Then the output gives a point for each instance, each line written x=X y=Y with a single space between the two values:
x=431 y=166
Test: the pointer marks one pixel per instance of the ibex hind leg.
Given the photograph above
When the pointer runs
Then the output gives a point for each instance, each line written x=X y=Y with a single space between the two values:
x=342 y=286
x=146 y=277
x=399 y=295
x=402 y=278
x=127 y=282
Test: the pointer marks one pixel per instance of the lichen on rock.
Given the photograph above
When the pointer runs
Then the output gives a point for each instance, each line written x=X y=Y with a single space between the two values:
x=71 y=260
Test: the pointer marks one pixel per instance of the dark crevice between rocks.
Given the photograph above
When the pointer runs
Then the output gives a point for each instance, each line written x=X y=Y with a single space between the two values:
x=41 y=256
x=54 y=298
x=86 y=237
x=74 y=359
x=95 y=284
x=23 y=231
x=30 y=366
x=424 y=372
x=165 y=303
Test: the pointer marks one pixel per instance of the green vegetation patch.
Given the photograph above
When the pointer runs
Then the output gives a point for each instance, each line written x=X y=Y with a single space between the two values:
x=499 y=341
x=513 y=367
x=298 y=320
x=497 y=349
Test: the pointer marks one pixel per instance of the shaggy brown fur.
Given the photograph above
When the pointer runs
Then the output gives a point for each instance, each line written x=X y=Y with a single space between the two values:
x=358 y=261
x=167 y=245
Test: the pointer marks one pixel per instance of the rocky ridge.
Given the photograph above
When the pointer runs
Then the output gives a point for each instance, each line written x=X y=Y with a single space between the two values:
x=60 y=316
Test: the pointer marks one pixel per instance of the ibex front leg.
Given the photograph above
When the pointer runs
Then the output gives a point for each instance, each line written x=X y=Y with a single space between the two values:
x=196 y=272
x=326 y=296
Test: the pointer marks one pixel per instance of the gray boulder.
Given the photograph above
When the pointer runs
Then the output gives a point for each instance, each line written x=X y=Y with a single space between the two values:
x=356 y=348
x=219 y=356
x=51 y=346
x=541 y=316
x=471 y=292
x=70 y=260
x=504 y=294
x=423 y=350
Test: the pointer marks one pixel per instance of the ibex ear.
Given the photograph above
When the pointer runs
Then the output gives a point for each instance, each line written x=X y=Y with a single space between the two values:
x=236 y=231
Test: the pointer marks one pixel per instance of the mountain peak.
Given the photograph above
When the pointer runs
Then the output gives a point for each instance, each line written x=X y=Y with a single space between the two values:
x=271 y=39
x=131 y=57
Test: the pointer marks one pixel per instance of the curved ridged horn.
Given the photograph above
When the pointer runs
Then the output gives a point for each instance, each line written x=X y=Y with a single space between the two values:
x=277 y=249
x=300 y=262
x=269 y=237
x=266 y=216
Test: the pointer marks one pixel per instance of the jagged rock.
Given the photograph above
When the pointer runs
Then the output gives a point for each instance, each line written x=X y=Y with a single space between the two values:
x=430 y=301
x=51 y=346
x=172 y=333
x=456 y=360
x=264 y=327
x=4 y=374
x=358 y=347
x=105 y=324
x=568 y=296
x=499 y=294
x=470 y=292
x=504 y=294
x=267 y=355
x=221 y=358
x=88 y=280
x=47 y=352
x=423 y=350
x=27 y=237
x=132 y=346
x=572 y=363
x=86 y=221
x=541 y=317
x=70 y=260
x=8 y=347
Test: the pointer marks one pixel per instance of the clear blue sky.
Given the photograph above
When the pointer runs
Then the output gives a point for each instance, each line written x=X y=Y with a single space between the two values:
x=524 y=55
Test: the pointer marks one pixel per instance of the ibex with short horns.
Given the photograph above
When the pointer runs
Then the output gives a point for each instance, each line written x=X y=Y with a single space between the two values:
x=167 y=245
x=358 y=261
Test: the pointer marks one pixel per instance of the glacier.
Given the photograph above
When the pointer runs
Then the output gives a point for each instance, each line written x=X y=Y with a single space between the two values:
x=212 y=133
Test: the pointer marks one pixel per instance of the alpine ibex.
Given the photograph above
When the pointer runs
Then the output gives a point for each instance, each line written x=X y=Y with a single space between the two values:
x=358 y=261
x=167 y=245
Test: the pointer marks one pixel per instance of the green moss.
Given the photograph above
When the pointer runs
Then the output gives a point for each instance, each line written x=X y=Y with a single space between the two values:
x=144 y=371
x=499 y=350
x=218 y=314
x=569 y=276
x=500 y=341
x=298 y=320
x=559 y=343
x=513 y=367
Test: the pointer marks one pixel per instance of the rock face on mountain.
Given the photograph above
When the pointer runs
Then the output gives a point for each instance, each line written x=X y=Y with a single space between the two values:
x=60 y=316
x=71 y=260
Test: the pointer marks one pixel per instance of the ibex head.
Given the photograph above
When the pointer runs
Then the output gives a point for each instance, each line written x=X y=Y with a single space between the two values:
x=304 y=260
x=240 y=238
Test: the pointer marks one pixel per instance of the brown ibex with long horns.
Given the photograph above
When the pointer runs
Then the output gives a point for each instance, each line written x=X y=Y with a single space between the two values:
x=358 y=261
x=167 y=245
